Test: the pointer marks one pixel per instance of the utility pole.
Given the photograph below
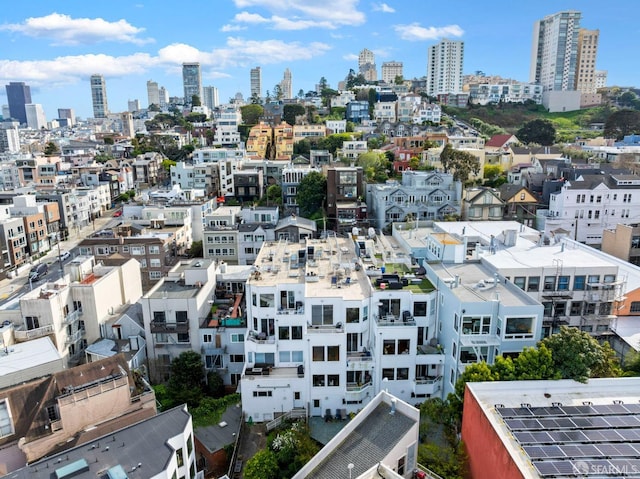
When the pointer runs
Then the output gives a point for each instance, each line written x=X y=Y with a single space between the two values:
x=59 y=256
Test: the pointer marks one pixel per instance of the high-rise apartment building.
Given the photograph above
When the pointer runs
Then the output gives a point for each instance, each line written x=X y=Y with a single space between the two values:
x=18 y=95
x=256 y=82
x=153 y=94
x=391 y=70
x=67 y=114
x=164 y=97
x=99 y=96
x=554 y=56
x=601 y=78
x=586 y=61
x=36 y=118
x=210 y=97
x=285 y=85
x=191 y=81
x=133 y=105
x=444 y=67
x=367 y=65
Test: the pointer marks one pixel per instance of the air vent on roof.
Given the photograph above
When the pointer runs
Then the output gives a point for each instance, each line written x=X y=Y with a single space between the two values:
x=222 y=424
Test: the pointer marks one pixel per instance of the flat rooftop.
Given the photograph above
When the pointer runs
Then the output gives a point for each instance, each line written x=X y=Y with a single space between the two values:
x=139 y=451
x=564 y=428
x=27 y=355
x=476 y=282
x=327 y=267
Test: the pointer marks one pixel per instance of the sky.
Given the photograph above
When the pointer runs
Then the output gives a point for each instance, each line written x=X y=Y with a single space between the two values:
x=56 y=46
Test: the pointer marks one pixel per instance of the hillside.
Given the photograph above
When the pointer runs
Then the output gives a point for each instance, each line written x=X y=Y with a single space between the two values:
x=508 y=118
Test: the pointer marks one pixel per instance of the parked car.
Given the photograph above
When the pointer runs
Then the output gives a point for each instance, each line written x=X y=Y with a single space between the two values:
x=64 y=255
x=117 y=214
x=38 y=272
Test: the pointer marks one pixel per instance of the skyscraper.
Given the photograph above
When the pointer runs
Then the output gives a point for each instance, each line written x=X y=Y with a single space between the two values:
x=286 y=86
x=586 y=61
x=164 y=97
x=153 y=94
x=256 y=82
x=554 y=53
x=67 y=114
x=391 y=70
x=191 y=81
x=210 y=97
x=99 y=96
x=444 y=67
x=36 y=118
x=18 y=95
x=367 y=65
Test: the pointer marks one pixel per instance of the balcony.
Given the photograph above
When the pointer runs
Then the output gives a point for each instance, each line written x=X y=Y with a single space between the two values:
x=72 y=338
x=427 y=385
x=560 y=294
x=33 y=333
x=325 y=328
x=211 y=350
x=165 y=327
x=72 y=317
x=260 y=338
x=357 y=392
x=392 y=320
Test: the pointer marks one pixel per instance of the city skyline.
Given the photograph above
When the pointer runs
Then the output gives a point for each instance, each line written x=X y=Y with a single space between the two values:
x=56 y=51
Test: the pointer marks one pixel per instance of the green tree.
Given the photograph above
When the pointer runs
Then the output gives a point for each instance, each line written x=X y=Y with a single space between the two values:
x=632 y=364
x=187 y=379
x=577 y=355
x=154 y=107
x=541 y=132
x=167 y=164
x=215 y=385
x=312 y=193
x=291 y=111
x=108 y=140
x=251 y=113
x=622 y=123
x=196 y=117
x=51 y=149
x=491 y=172
x=535 y=363
x=461 y=163
x=195 y=100
x=375 y=166
x=273 y=196
x=263 y=465
x=398 y=80
x=196 y=251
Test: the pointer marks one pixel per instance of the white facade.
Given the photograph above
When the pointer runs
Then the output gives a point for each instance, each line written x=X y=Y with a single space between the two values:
x=391 y=70
x=153 y=93
x=342 y=99
x=554 y=51
x=99 y=96
x=36 y=119
x=227 y=122
x=183 y=174
x=517 y=92
x=336 y=126
x=445 y=63
x=586 y=61
x=210 y=98
x=427 y=112
x=9 y=140
x=286 y=87
x=256 y=82
x=352 y=149
x=384 y=111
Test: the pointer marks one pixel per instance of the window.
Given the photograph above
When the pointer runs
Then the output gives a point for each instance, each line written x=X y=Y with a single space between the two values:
x=519 y=328
x=333 y=353
x=563 y=283
x=266 y=301
x=333 y=380
x=155 y=263
x=420 y=308
x=237 y=338
x=137 y=250
x=283 y=332
x=262 y=394
x=353 y=315
x=318 y=380
x=635 y=307
x=190 y=445
x=183 y=337
x=213 y=361
x=579 y=283
x=594 y=279
x=549 y=283
x=402 y=373
x=389 y=346
x=155 y=274
x=476 y=325
x=403 y=346
x=296 y=332
x=321 y=314
x=236 y=358
x=181 y=317
x=318 y=353
x=388 y=373
x=180 y=457
x=534 y=283
x=520 y=281
x=159 y=316
x=576 y=308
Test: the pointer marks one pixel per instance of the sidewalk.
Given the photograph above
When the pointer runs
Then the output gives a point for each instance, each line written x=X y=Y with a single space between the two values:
x=10 y=286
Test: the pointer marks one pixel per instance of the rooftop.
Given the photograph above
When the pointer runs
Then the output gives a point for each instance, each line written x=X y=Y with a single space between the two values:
x=329 y=267
x=27 y=355
x=140 y=451
x=565 y=428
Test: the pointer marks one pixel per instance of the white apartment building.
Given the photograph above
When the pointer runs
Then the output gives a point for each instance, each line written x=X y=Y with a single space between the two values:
x=427 y=112
x=352 y=149
x=592 y=203
x=391 y=70
x=183 y=174
x=256 y=82
x=516 y=92
x=336 y=126
x=384 y=111
x=9 y=140
x=445 y=63
x=342 y=99
x=73 y=310
x=173 y=311
x=323 y=337
x=227 y=121
x=36 y=119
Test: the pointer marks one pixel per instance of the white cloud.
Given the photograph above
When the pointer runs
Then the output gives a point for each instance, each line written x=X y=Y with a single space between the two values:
x=237 y=52
x=232 y=28
x=64 y=30
x=351 y=57
x=414 y=32
x=309 y=13
x=382 y=7
x=252 y=18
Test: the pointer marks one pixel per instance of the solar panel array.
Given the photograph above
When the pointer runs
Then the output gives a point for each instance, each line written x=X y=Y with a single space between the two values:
x=594 y=441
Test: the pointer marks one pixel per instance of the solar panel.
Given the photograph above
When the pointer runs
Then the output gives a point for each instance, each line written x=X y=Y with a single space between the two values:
x=562 y=441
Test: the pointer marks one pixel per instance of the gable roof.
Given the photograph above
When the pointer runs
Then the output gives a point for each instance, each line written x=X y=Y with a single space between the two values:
x=498 y=141
x=508 y=191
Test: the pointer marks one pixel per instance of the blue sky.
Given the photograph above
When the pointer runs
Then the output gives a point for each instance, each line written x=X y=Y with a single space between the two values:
x=55 y=46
